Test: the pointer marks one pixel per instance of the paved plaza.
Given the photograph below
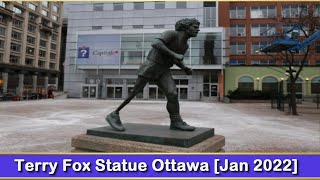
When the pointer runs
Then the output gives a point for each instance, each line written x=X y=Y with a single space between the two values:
x=48 y=125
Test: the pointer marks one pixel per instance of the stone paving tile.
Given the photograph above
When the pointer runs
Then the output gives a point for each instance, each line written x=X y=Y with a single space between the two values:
x=49 y=125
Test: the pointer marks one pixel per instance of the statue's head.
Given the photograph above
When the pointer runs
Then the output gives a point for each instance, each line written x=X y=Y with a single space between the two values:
x=190 y=26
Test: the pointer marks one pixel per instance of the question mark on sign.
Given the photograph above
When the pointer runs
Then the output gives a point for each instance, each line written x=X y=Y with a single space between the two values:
x=84 y=52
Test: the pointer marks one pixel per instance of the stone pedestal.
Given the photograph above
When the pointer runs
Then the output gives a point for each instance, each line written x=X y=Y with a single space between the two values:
x=148 y=138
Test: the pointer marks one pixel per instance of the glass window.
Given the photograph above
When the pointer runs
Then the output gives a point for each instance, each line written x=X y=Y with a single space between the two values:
x=44 y=12
x=293 y=11
x=29 y=62
x=3 y=4
x=32 y=17
x=2 y=31
x=270 y=84
x=159 y=26
x=55 y=8
x=52 y=56
x=14 y=59
x=237 y=13
x=116 y=27
x=53 y=46
x=159 y=5
x=237 y=30
x=263 y=12
x=17 y=10
x=1 y=44
x=15 y=47
x=30 y=51
x=138 y=5
x=263 y=62
x=31 y=28
x=42 y=53
x=52 y=65
x=315 y=85
x=117 y=6
x=316 y=12
x=98 y=7
x=17 y=23
x=263 y=30
x=45 y=3
x=137 y=26
x=132 y=49
x=209 y=4
x=16 y=35
x=96 y=27
x=209 y=16
x=237 y=62
x=41 y=64
x=257 y=46
x=298 y=84
x=245 y=83
x=55 y=18
x=32 y=6
x=31 y=39
x=43 y=43
x=181 y=5
x=238 y=48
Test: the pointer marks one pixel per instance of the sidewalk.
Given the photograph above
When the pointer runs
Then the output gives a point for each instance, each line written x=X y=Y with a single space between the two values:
x=48 y=125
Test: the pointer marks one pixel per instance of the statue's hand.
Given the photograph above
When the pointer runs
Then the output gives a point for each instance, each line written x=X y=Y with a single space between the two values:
x=188 y=70
x=178 y=57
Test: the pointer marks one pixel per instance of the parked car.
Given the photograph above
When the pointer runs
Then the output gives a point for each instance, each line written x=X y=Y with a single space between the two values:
x=33 y=96
x=9 y=97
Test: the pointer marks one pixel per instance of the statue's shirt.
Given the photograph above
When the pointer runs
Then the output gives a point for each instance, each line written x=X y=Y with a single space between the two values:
x=158 y=63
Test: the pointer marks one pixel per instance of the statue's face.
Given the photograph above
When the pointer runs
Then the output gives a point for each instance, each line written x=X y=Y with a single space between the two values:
x=193 y=30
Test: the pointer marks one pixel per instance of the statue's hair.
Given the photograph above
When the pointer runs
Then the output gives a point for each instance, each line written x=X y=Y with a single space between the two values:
x=184 y=24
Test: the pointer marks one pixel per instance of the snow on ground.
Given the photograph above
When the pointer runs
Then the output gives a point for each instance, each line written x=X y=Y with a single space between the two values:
x=49 y=125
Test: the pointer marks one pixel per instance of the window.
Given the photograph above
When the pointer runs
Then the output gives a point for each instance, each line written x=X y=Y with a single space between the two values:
x=270 y=84
x=317 y=46
x=209 y=16
x=263 y=62
x=14 y=59
x=53 y=46
x=16 y=35
x=317 y=62
x=96 y=27
x=55 y=27
x=263 y=30
x=30 y=51
x=237 y=62
x=117 y=6
x=159 y=4
x=238 y=48
x=299 y=84
x=44 y=12
x=138 y=5
x=263 y=12
x=52 y=56
x=31 y=39
x=245 y=83
x=1 y=57
x=287 y=27
x=42 y=53
x=2 y=19
x=159 y=26
x=237 y=13
x=55 y=18
x=316 y=12
x=15 y=47
x=116 y=27
x=43 y=43
x=237 y=30
x=43 y=35
x=137 y=26
x=54 y=37
x=3 y=4
x=315 y=85
x=257 y=46
x=181 y=5
x=32 y=6
x=17 y=23
x=55 y=8
x=1 y=44
x=293 y=11
x=209 y=4
x=2 y=31
x=32 y=17
x=52 y=65
x=45 y=3
x=17 y=10
x=29 y=62
x=41 y=64
x=98 y=7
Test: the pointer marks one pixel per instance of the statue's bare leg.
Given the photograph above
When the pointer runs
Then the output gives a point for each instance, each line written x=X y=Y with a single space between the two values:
x=168 y=86
x=114 y=118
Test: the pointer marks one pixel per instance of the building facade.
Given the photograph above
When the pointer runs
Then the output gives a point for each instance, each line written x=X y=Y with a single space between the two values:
x=107 y=42
x=30 y=34
x=252 y=24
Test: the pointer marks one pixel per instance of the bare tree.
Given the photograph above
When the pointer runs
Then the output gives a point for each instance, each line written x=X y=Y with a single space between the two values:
x=293 y=60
